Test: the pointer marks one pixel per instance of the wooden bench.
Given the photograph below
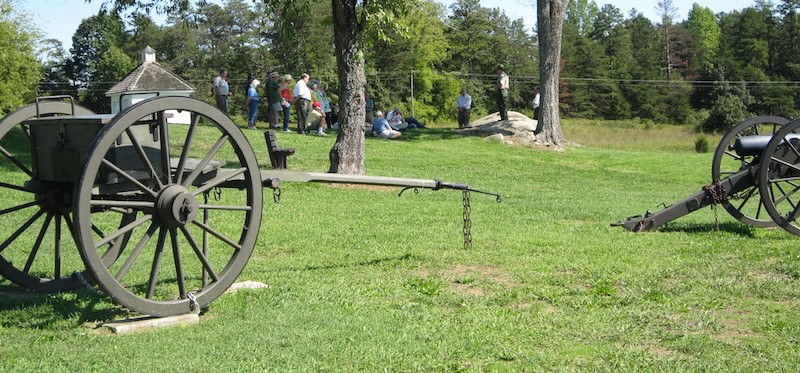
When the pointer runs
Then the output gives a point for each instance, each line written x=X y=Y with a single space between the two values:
x=277 y=155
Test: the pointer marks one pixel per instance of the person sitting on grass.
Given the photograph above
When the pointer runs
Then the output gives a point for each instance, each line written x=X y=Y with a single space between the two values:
x=316 y=119
x=396 y=120
x=382 y=129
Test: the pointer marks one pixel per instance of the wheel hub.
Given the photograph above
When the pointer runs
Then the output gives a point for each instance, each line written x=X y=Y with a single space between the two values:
x=176 y=206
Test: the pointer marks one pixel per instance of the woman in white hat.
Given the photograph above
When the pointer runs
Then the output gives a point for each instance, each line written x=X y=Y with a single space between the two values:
x=252 y=104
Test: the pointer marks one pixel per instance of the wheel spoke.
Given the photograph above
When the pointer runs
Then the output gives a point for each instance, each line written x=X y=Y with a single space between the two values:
x=223 y=177
x=218 y=235
x=747 y=197
x=164 y=131
x=21 y=229
x=204 y=162
x=15 y=187
x=129 y=177
x=734 y=155
x=186 y=147
x=151 y=285
x=200 y=255
x=176 y=255
x=37 y=244
x=144 y=158
x=136 y=251
x=225 y=207
x=121 y=231
x=787 y=164
x=57 y=250
x=16 y=161
x=17 y=208
x=785 y=197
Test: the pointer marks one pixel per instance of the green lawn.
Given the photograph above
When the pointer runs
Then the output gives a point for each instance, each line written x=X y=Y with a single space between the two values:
x=362 y=280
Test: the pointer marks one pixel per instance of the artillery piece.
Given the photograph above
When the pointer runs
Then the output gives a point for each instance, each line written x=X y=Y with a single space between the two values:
x=124 y=186
x=755 y=176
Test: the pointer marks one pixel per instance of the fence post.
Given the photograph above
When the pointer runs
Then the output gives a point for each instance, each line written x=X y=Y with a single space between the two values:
x=412 y=93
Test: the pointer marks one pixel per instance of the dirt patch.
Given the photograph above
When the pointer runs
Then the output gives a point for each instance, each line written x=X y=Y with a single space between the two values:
x=659 y=350
x=734 y=325
x=464 y=289
x=770 y=276
x=364 y=187
x=486 y=272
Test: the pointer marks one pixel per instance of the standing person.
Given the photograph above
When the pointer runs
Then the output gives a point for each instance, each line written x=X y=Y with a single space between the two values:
x=302 y=100
x=464 y=105
x=536 y=110
x=252 y=104
x=502 y=92
x=274 y=99
x=369 y=105
x=286 y=100
x=221 y=90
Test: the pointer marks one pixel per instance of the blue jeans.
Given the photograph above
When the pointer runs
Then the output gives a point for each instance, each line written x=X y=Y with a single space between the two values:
x=252 y=113
x=286 y=110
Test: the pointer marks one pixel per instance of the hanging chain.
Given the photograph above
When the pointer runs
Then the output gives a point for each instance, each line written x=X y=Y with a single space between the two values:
x=217 y=194
x=193 y=305
x=85 y=283
x=467 y=221
x=276 y=195
x=717 y=193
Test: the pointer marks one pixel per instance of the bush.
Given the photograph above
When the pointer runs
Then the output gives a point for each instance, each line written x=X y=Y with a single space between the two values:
x=728 y=110
x=701 y=144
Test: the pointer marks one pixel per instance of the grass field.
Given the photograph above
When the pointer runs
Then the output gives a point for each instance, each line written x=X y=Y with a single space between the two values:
x=362 y=280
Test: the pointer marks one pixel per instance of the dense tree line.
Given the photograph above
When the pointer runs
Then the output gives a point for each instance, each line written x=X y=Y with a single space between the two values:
x=711 y=69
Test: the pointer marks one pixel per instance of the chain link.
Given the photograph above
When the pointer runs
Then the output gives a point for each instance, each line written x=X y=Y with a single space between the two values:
x=276 y=195
x=217 y=194
x=193 y=305
x=717 y=193
x=467 y=221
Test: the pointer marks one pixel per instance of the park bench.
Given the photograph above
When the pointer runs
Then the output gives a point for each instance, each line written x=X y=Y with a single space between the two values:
x=277 y=155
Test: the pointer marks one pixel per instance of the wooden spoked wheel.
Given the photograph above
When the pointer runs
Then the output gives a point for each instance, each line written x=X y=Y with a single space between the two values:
x=184 y=250
x=779 y=177
x=746 y=206
x=37 y=251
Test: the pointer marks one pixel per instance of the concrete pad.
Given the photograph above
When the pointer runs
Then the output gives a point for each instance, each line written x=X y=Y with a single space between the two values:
x=246 y=285
x=138 y=324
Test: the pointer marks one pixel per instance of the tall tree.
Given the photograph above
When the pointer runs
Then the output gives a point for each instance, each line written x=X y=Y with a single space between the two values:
x=705 y=33
x=667 y=10
x=19 y=68
x=550 y=15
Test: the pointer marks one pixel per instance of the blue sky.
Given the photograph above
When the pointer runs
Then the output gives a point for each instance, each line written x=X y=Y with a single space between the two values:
x=60 y=18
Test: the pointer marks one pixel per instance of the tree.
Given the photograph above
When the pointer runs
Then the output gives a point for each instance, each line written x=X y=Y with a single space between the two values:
x=19 y=68
x=550 y=15
x=705 y=33
x=667 y=12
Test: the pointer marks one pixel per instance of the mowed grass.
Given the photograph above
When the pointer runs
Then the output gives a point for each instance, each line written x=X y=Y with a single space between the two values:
x=363 y=280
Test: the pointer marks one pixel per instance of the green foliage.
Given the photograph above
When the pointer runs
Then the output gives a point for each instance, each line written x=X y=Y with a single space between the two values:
x=705 y=33
x=701 y=145
x=728 y=110
x=18 y=65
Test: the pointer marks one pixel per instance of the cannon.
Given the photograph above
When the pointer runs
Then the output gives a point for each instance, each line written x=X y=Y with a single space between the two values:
x=755 y=177
x=161 y=216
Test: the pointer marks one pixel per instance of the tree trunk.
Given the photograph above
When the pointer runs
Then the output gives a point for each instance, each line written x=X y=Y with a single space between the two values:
x=347 y=154
x=551 y=19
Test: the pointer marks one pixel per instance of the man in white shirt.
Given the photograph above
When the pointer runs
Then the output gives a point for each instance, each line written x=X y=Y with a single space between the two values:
x=536 y=111
x=221 y=90
x=463 y=104
x=502 y=92
x=302 y=99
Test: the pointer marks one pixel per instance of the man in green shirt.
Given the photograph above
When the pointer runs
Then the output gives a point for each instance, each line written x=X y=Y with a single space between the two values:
x=274 y=99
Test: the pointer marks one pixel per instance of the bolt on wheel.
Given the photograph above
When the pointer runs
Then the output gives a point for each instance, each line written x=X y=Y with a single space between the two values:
x=746 y=206
x=197 y=221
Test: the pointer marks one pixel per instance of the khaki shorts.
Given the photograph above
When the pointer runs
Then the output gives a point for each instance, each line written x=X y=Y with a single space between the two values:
x=387 y=134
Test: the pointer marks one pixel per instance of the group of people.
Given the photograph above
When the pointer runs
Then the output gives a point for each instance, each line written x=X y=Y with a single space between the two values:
x=388 y=126
x=312 y=106
x=464 y=101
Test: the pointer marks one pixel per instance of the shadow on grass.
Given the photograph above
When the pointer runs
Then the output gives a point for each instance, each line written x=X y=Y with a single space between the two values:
x=364 y=263
x=29 y=310
x=728 y=227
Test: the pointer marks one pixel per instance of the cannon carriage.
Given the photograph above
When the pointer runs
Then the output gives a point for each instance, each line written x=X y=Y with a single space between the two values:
x=755 y=177
x=161 y=216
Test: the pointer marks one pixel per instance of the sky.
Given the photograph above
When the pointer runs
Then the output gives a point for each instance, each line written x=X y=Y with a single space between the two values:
x=58 y=19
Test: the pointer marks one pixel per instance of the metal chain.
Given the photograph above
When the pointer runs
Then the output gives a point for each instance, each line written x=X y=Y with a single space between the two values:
x=717 y=193
x=85 y=283
x=193 y=305
x=467 y=221
x=217 y=194
x=276 y=195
